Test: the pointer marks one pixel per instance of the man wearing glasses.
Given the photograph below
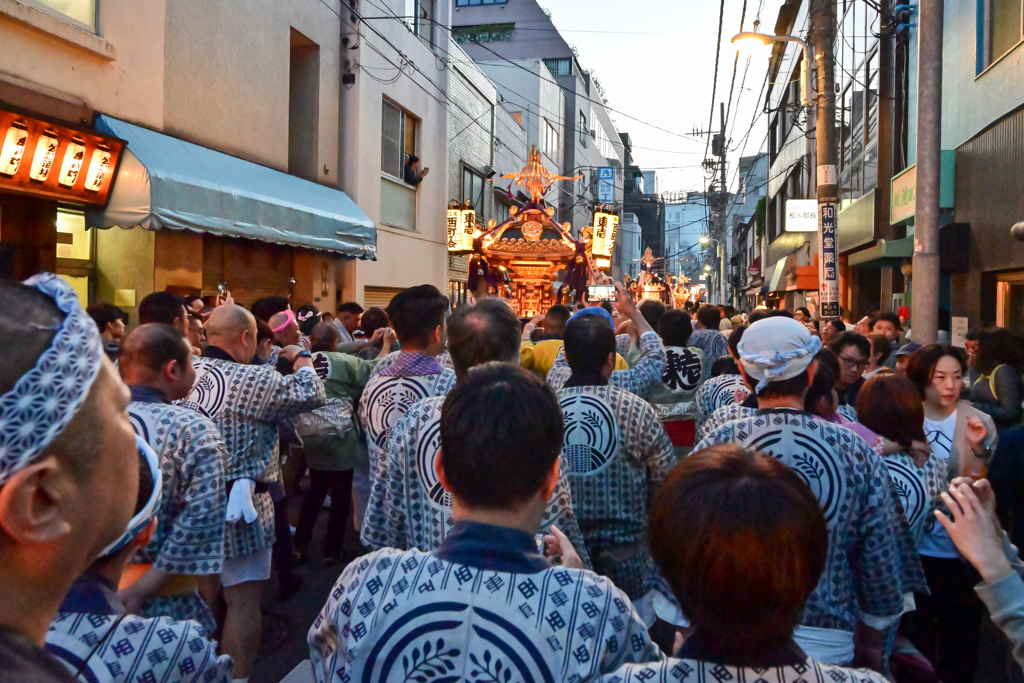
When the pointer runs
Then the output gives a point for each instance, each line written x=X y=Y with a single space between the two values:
x=853 y=351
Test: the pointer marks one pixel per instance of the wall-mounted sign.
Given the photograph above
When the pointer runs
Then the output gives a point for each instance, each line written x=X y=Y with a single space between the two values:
x=801 y=215
x=606 y=184
x=48 y=159
x=904 y=195
x=754 y=270
x=461 y=228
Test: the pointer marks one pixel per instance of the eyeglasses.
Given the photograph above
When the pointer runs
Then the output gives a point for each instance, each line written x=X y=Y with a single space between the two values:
x=853 y=363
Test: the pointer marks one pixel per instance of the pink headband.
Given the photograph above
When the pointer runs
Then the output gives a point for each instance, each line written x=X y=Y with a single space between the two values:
x=283 y=326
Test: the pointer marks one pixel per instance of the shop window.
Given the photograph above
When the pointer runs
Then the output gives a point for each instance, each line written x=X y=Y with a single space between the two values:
x=550 y=141
x=1001 y=28
x=74 y=241
x=473 y=189
x=79 y=11
x=398 y=139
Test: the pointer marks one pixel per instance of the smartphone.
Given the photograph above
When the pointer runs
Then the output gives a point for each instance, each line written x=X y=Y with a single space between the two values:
x=541 y=544
x=600 y=292
x=222 y=290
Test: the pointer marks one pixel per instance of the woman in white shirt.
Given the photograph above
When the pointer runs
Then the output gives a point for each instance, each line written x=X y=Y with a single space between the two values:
x=945 y=625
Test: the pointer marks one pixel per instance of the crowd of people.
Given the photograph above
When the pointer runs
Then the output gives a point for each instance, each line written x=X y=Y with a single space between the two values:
x=615 y=492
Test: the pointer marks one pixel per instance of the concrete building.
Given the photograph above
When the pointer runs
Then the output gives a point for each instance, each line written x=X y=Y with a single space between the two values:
x=505 y=36
x=285 y=87
x=982 y=265
x=685 y=223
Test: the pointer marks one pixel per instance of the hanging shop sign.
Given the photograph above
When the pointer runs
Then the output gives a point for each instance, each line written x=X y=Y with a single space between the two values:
x=606 y=224
x=49 y=159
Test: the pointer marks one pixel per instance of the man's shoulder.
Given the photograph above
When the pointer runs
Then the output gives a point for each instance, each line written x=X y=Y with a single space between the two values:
x=681 y=669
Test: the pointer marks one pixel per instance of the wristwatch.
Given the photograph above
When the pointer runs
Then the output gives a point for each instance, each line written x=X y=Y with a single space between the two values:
x=303 y=354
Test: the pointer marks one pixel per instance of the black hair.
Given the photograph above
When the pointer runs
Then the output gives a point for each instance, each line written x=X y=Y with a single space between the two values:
x=106 y=314
x=263 y=331
x=607 y=305
x=497 y=462
x=146 y=485
x=675 y=328
x=823 y=383
x=724 y=365
x=844 y=339
x=306 y=326
x=709 y=316
x=803 y=309
x=416 y=312
x=350 y=307
x=161 y=307
x=412 y=159
x=779 y=313
x=267 y=307
x=923 y=362
x=488 y=331
x=887 y=317
x=652 y=311
x=735 y=338
x=756 y=314
x=794 y=386
x=373 y=319
x=153 y=346
x=589 y=341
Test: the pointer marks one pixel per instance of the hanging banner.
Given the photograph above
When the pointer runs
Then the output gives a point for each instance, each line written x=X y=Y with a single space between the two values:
x=605 y=226
x=828 y=270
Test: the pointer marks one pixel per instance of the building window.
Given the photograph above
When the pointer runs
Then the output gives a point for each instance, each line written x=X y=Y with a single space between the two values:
x=1001 y=29
x=81 y=12
x=473 y=189
x=559 y=67
x=483 y=33
x=470 y=3
x=584 y=133
x=501 y=212
x=550 y=141
x=424 y=27
x=398 y=140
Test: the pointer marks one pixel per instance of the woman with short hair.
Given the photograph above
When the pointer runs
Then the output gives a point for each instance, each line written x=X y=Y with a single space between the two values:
x=998 y=389
x=742 y=542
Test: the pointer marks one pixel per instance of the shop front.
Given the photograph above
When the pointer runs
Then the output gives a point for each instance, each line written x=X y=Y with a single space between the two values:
x=50 y=172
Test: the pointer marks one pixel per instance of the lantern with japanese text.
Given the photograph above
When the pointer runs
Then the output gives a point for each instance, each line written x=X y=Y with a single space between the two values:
x=606 y=224
x=461 y=227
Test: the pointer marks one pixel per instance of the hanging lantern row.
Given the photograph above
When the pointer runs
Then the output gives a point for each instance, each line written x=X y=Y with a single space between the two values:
x=461 y=227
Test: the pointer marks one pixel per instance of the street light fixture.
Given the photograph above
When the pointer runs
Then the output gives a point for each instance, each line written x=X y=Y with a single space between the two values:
x=751 y=42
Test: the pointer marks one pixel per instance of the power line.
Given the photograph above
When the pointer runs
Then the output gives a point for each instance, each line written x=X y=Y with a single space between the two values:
x=714 y=84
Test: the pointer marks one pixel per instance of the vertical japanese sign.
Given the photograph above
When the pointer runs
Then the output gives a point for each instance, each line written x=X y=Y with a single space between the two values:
x=828 y=271
x=606 y=184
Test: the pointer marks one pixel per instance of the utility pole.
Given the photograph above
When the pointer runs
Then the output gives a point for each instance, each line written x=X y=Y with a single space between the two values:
x=724 y=201
x=925 y=283
x=823 y=28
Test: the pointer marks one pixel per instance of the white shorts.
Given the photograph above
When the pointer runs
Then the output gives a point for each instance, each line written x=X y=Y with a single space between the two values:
x=254 y=567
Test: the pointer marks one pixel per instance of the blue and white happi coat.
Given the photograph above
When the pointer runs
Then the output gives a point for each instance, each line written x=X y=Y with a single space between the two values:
x=410 y=509
x=867 y=570
x=189 y=539
x=444 y=358
x=641 y=379
x=411 y=616
x=918 y=488
x=391 y=392
x=733 y=411
x=692 y=671
x=684 y=373
x=616 y=453
x=248 y=403
x=718 y=392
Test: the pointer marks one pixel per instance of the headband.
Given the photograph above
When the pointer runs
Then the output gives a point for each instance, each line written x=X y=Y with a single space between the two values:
x=147 y=458
x=290 y=318
x=303 y=317
x=776 y=349
x=47 y=397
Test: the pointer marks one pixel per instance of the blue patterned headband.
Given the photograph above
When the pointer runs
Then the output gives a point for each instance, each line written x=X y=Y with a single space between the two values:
x=148 y=459
x=46 y=398
x=775 y=349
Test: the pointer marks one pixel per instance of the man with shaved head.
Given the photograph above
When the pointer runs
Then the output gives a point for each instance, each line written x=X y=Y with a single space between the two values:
x=248 y=403
x=156 y=363
x=69 y=466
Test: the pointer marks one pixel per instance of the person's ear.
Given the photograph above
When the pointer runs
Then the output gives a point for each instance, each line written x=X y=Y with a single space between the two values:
x=438 y=333
x=31 y=510
x=171 y=371
x=439 y=470
x=551 y=480
x=610 y=363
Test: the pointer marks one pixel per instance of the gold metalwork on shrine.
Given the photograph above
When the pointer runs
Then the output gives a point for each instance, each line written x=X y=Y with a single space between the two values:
x=536 y=179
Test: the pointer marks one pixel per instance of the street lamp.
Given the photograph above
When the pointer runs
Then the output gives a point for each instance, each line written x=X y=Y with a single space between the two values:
x=751 y=42
x=707 y=269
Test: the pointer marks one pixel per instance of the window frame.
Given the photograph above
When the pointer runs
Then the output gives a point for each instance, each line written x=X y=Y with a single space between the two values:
x=57 y=14
x=479 y=200
x=551 y=139
x=408 y=123
x=985 y=56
